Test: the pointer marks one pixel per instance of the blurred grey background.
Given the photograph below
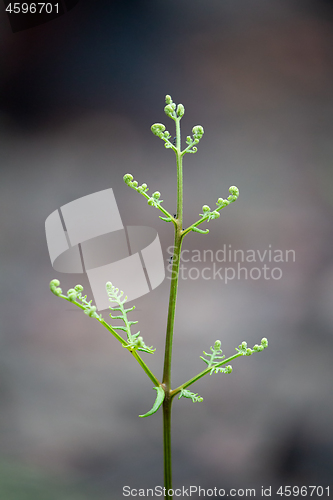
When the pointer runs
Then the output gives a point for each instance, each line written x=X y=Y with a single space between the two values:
x=78 y=97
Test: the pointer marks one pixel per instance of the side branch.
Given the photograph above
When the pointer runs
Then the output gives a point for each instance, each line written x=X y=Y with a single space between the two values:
x=209 y=214
x=200 y=375
x=76 y=293
x=214 y=366
x=153 y=200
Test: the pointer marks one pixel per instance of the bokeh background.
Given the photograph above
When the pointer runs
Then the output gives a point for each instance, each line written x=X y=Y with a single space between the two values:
x=78 y=97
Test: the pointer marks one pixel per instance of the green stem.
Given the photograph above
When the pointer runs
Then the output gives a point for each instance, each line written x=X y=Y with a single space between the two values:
x=195 y=224
x=114 y=333
x=171 y=319
x=167 y=445
x=171 y=311
x=146 y=369
x=135 y=354
x=175 y=266
x=179 y=175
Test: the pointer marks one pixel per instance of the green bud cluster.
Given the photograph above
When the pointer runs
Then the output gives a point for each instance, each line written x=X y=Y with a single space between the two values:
x=208 y=215
x=169 y=110
x=244 y=350
x=234 y=193
x=180 y=110
x=143 y=188
x=75 y=296
x=158 y=129
x=72 y=295
x=221 y=203
x=128 y=179
x=139 y=342
x=153 y=200
x=264 y=342
x=172 y=110
x=198 y=132
x=176 y=112
x=217 y=345
x=54 y=287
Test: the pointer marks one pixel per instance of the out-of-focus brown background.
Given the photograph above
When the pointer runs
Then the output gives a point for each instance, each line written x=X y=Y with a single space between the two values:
x=78 y=96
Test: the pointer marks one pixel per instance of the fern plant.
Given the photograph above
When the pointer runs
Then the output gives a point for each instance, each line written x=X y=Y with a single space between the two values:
x=134 y=343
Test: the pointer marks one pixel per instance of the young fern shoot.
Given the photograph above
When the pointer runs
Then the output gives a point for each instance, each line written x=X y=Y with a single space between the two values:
x=214 y=359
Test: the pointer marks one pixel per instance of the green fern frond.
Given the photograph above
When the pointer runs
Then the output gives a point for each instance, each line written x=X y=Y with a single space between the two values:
x=214 y=357
x=184 y=393
x=134 y=342
x=221 y=369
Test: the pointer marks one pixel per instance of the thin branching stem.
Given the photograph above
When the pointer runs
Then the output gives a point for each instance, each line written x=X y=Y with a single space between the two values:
x=134 y=342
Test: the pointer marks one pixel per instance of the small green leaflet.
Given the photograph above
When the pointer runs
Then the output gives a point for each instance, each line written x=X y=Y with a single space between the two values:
x=159 y=400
